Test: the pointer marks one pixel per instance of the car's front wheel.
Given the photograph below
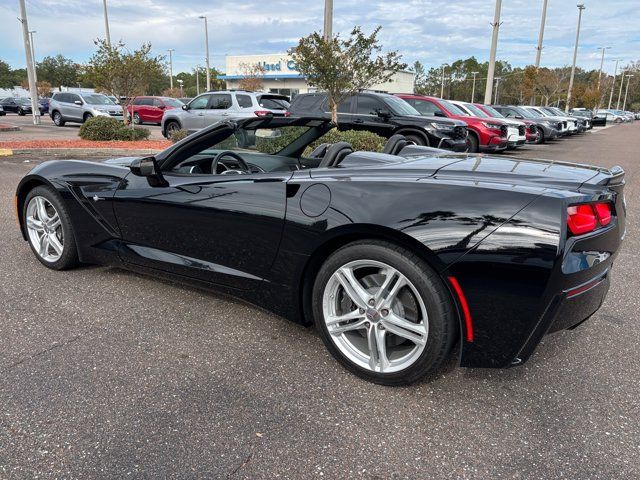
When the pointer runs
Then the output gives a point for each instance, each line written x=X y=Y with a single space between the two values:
x=58 y=120
x=21 y=112
x=383 y=312
x=136 y=119
x=170 y=128
x=49 y=229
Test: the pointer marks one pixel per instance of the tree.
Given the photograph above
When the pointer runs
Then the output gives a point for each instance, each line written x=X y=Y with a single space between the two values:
x=58 y=71
x=123 y=74
x=251 y=77
x=44 y=88
x=342 y=67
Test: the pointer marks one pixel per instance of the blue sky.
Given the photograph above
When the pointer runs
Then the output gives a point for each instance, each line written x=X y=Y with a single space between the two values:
x=432 y=31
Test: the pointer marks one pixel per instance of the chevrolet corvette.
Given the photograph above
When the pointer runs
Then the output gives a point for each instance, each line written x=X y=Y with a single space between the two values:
x=400 y=258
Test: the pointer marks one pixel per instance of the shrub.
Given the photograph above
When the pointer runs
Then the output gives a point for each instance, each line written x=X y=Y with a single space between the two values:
x=107 y=128
x=359 y=140
x=179 y=135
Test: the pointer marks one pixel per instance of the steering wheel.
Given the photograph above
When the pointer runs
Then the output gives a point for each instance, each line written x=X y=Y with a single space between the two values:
x=244 y=168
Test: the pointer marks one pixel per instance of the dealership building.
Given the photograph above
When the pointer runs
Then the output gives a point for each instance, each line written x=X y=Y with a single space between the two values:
x=281 y=76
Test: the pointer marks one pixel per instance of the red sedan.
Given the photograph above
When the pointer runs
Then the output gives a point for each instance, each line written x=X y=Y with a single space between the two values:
x=150 y=109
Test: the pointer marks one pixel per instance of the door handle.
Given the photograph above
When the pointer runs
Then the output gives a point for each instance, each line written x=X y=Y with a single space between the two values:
x=358 y=120
x=201 y=114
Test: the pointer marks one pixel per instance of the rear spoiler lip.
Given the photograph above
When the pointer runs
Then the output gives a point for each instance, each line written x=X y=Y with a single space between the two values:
x=617 y=176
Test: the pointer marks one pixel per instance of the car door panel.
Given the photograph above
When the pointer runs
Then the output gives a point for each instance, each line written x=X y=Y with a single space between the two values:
x=222 y=229
x=366 y=117
x=220 y=108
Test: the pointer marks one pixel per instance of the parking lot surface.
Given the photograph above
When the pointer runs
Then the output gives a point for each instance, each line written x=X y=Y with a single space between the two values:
x=108 y=374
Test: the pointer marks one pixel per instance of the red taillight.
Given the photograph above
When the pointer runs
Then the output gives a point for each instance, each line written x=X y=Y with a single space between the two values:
x=585 y=218
x=262 y=113
x=287 y=114
x=603 y=210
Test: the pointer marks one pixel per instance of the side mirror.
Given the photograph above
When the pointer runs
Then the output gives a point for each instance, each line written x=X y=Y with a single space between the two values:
x=438 y=113
x=383 y=113
x=185 y=107
x=519 y=117
x=162 y=107
x=143 y=167
x=78 y=102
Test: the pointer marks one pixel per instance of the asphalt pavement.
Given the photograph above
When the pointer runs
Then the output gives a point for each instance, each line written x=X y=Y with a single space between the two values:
x=108 y=374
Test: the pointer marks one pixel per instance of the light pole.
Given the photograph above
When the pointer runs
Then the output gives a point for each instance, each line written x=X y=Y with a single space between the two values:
x=581 y=7
x=106 y=22
x=613 y=87
x=495 y=95
x=206 y=45
x=328 y=19
x=442 y=83
x=171 y=50
x=492 y=54
x=601 y=64
x=180 y=82
x=473 y=88
x=31 y=71
x=626 y=92
x=541 y=34
x=197 y=79
x=620 y=92
x=33 y=56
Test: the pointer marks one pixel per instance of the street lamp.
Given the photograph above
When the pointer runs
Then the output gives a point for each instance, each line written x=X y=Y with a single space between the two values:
x=106 y=22
x=328 y=19
x=601 y=64
x=31 y=71
x=33 y=56
x=613 y=86
x=473 y=88
x=626 y=92
x=171 y=50
x=442 y=84
x=492 y=53
x=180 y=82
x=197 y=79
x=622 y=72
x=581 y=7
x=495 y=95
x=206 y=44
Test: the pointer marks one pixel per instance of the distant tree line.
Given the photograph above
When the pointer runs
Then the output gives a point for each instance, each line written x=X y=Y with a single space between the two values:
x=543 y=86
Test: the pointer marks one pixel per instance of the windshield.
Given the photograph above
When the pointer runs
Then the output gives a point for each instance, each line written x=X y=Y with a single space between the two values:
x=400 y=106
x=525 y=113
x=453 y=109
x=476 y=111
x=493 y=112
x=23 y=101
x=172 y=102
x=97 y=99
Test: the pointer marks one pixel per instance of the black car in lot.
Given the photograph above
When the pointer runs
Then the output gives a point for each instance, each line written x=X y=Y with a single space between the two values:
x=396 y=257
x=386 y=115
x=548 y=129
x=19 y=105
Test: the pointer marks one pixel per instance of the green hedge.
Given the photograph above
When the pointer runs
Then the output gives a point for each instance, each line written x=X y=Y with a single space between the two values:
x=359 y=140
x=179 y=135
x=107 y=128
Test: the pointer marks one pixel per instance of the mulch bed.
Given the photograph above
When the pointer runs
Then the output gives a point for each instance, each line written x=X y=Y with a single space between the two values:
x=138 y=145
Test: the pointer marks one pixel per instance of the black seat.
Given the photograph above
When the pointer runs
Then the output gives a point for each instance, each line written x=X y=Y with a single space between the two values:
x=320 y=151
x=395 y=143
x=335 y=154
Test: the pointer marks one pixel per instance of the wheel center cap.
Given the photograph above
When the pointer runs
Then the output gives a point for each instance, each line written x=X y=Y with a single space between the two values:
x=372 y=315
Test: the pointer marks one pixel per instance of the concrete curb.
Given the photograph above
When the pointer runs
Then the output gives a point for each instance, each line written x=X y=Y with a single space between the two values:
x=6 y=127
x=78 y=152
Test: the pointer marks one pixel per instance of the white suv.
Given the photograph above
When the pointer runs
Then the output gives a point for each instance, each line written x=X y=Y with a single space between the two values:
x=79 y=107
x=212 y=107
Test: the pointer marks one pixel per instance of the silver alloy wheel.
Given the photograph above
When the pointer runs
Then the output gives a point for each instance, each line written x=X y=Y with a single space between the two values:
x=375 y=316
x=45 y=229
x=56 y=118
x=136 y=119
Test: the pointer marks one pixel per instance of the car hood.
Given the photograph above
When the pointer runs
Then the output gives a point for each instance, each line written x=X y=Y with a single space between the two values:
x=106 y=108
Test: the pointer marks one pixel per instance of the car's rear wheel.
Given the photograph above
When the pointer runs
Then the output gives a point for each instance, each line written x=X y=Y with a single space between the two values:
x=540 y=139
x=87 y=116
x=57 y=119
x=383 y=312
x=49 y=229
x=21 y=112
x=136 y=119
x=170 y=128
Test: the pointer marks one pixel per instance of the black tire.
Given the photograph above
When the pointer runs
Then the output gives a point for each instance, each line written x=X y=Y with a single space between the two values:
x=170 y=127
x=69 y=257
x=21 y=112
x=540 y=140
x=442 y=323
x=472 y=143
x=87 y=116
x=417 y=139
x=136 y=119
x=57 y=119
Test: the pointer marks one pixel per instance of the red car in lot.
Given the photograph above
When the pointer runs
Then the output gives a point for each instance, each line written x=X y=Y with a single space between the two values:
x=485 y=135
x=147 y=109
x=532 y=128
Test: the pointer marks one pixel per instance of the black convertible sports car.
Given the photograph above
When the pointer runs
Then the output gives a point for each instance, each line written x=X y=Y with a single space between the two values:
x=396 y=256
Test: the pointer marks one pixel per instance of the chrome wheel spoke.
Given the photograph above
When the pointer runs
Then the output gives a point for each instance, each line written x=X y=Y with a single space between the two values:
x=416 y=332
x=55 y=243
x=352 y=287
x=333 y=320
x=349 y=327
x=34 y=224
x=376 y=341
x=41 y=208
x=44 y=246
x=54 y=222
x=392 y=284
